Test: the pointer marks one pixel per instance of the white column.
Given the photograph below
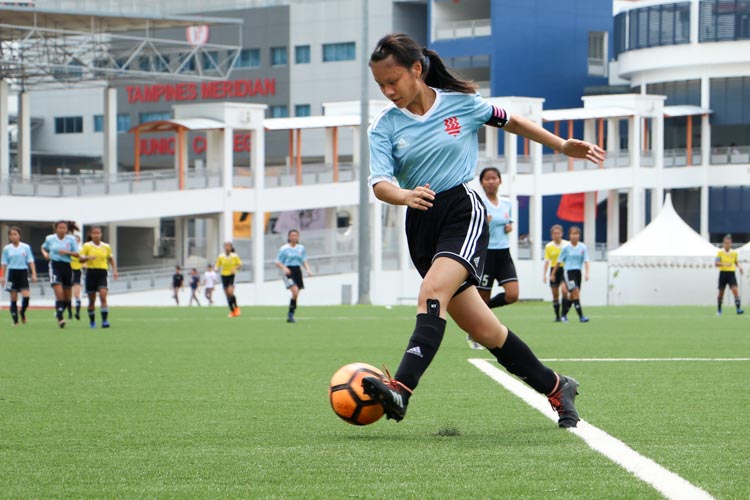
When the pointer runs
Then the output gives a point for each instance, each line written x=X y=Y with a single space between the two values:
x=257 y=165
x=376 y=242
x=589 y=220
x=112 y=230
x=613 y=219
x=657 y=149
x=704 y=211
x=179 y=240
x=491 y=138
x=328 y=153
x=23 y=158
x=403 y=245
x=705 y=154
x=694 y=20
x=213 y=237
x=613 y=134
x=511 y=170
x=589 y=131
x=355 y=146
x=109 y=160
x=225 y=229
x=635 y=193
x=536 y=203
x=4 y=143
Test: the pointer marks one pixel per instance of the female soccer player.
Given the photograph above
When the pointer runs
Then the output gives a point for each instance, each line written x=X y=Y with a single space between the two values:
x=178 y=283
x=98 y=258
x=572 y=259
x=290 y=257
x=58 y=248
x=16 y=261
x=726 y=261
x=427 y=140
x=556 y=282
x=228 y=264
x=209 y=281
x=195 y=281
x=77 y=268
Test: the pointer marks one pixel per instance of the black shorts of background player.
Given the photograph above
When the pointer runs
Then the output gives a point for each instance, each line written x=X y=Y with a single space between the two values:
x=445 y=223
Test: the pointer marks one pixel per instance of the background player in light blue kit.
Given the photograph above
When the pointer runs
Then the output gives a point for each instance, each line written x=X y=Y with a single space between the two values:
x=58 y=248
x=17 y=259
x=291 y=256
x=573 y=258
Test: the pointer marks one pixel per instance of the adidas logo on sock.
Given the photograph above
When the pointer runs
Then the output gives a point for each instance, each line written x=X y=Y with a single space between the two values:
x=415 y=351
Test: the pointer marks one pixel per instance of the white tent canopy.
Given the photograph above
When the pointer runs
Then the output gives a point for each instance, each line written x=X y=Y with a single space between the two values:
x=744 y=252
x=668 y=241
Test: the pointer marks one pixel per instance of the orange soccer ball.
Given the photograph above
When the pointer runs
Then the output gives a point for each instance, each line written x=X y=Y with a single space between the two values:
x=348 y=400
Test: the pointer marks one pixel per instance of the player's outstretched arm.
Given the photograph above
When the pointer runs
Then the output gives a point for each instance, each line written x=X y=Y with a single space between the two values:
x=420 y=197
x=571 y=147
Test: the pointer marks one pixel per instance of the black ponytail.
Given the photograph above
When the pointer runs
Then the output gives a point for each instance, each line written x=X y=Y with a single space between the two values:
x=405 y=52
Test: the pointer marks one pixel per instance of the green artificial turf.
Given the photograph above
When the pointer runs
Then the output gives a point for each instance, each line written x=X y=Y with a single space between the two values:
x=184 y=402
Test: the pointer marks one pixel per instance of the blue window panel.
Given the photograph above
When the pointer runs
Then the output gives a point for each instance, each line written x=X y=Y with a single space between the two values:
x=123 y=122
x=69 y=125
x=279 y=111
x=153 y=116
x=248 y=58
x=98 y=123
x=278 y=56
x=302 y=110
x=302 y=54
x=339 y=51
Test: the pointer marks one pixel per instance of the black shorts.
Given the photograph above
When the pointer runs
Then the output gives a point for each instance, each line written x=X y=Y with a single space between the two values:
x=455 y=227
x=498 y=266
x=96 y=279
x=727 y=278
x=227 y=281
x=76 y=276
x=60 y=273
x=17 y=280
x=294 y=278
x=573 y=279
x=556 y=278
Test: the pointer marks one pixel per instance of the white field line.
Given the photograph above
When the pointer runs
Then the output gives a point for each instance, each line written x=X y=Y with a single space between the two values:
x=629 y=360
x=664 y=481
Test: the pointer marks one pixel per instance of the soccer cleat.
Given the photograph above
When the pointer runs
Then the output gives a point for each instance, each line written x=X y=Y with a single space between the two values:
x=290 y=318
x=236 y=311
x=61 y=323
x=564 y=319
x=718 y=313
x=92 y=324
x=105 y=324
x=558 y=320
x=392 y=395
x=78 y=316
x=23 y=318
x=585 y=319
x=473 y=344
x=563 y=402
x=740 y=311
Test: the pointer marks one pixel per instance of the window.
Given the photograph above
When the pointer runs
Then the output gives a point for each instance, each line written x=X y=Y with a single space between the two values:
x=620 y=32
x=69 y=125
x=730 y=100
x=302 y=110
x=98 y=123
x=339 y=52
x=278 y=111
x=210 y=60
x=123 y=122
x=278 y=56
x=667 y=24
x=598 y=58
x=248 y=58
x=302 y=54
x=153 y=116
x=724 y=20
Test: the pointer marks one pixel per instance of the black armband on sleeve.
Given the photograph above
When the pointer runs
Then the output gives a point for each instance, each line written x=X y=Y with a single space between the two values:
x=499 y=117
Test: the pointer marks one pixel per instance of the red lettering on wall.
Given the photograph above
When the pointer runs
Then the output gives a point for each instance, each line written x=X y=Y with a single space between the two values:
x=241 y=143
x=199 y=145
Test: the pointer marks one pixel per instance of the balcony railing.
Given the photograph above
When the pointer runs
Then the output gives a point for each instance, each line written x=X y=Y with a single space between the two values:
x=283 y=176
x=471 y=28
x=57 y=186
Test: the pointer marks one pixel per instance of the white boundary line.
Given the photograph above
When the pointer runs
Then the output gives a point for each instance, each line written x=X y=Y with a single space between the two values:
x=664 y=481
x=628 y=360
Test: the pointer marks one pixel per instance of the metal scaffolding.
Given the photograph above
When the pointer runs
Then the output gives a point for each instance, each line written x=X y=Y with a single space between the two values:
x=57 y=48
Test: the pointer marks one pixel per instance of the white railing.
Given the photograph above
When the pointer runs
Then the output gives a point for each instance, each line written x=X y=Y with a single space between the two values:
x=730 y=155
x=284 y=176
x=58 y=186
x=470 y=28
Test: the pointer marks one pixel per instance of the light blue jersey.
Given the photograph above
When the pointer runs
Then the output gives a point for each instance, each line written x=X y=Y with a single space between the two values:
x=17 y=257
x=439 y=147
x=52 y=244
x=573 y=257
x=292 y=255
x=501 y=214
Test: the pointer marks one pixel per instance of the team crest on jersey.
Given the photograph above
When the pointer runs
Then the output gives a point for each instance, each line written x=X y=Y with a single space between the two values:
x=452 y=126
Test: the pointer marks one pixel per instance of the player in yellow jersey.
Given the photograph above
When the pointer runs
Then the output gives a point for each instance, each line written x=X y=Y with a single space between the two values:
x=727 y=262
x=77 y=268
x=228 y=264
x=98 y=258
x=556 y=282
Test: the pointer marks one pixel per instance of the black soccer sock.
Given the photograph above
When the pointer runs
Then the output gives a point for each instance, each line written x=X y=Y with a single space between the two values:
x=104 y=312
x=556 y=307
x=14 y=311
x=737 y=303
x=78 y=307
x=565 y=306
x=497 y=301
x=92 y=315
x=292 y=306
x=577 y=304
x=518 y=359
x=234 y=302
x=24 y=306
x=719 y=305
x=69 y=308
x=230 y=302
x=59 y=309
x=422 y=347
